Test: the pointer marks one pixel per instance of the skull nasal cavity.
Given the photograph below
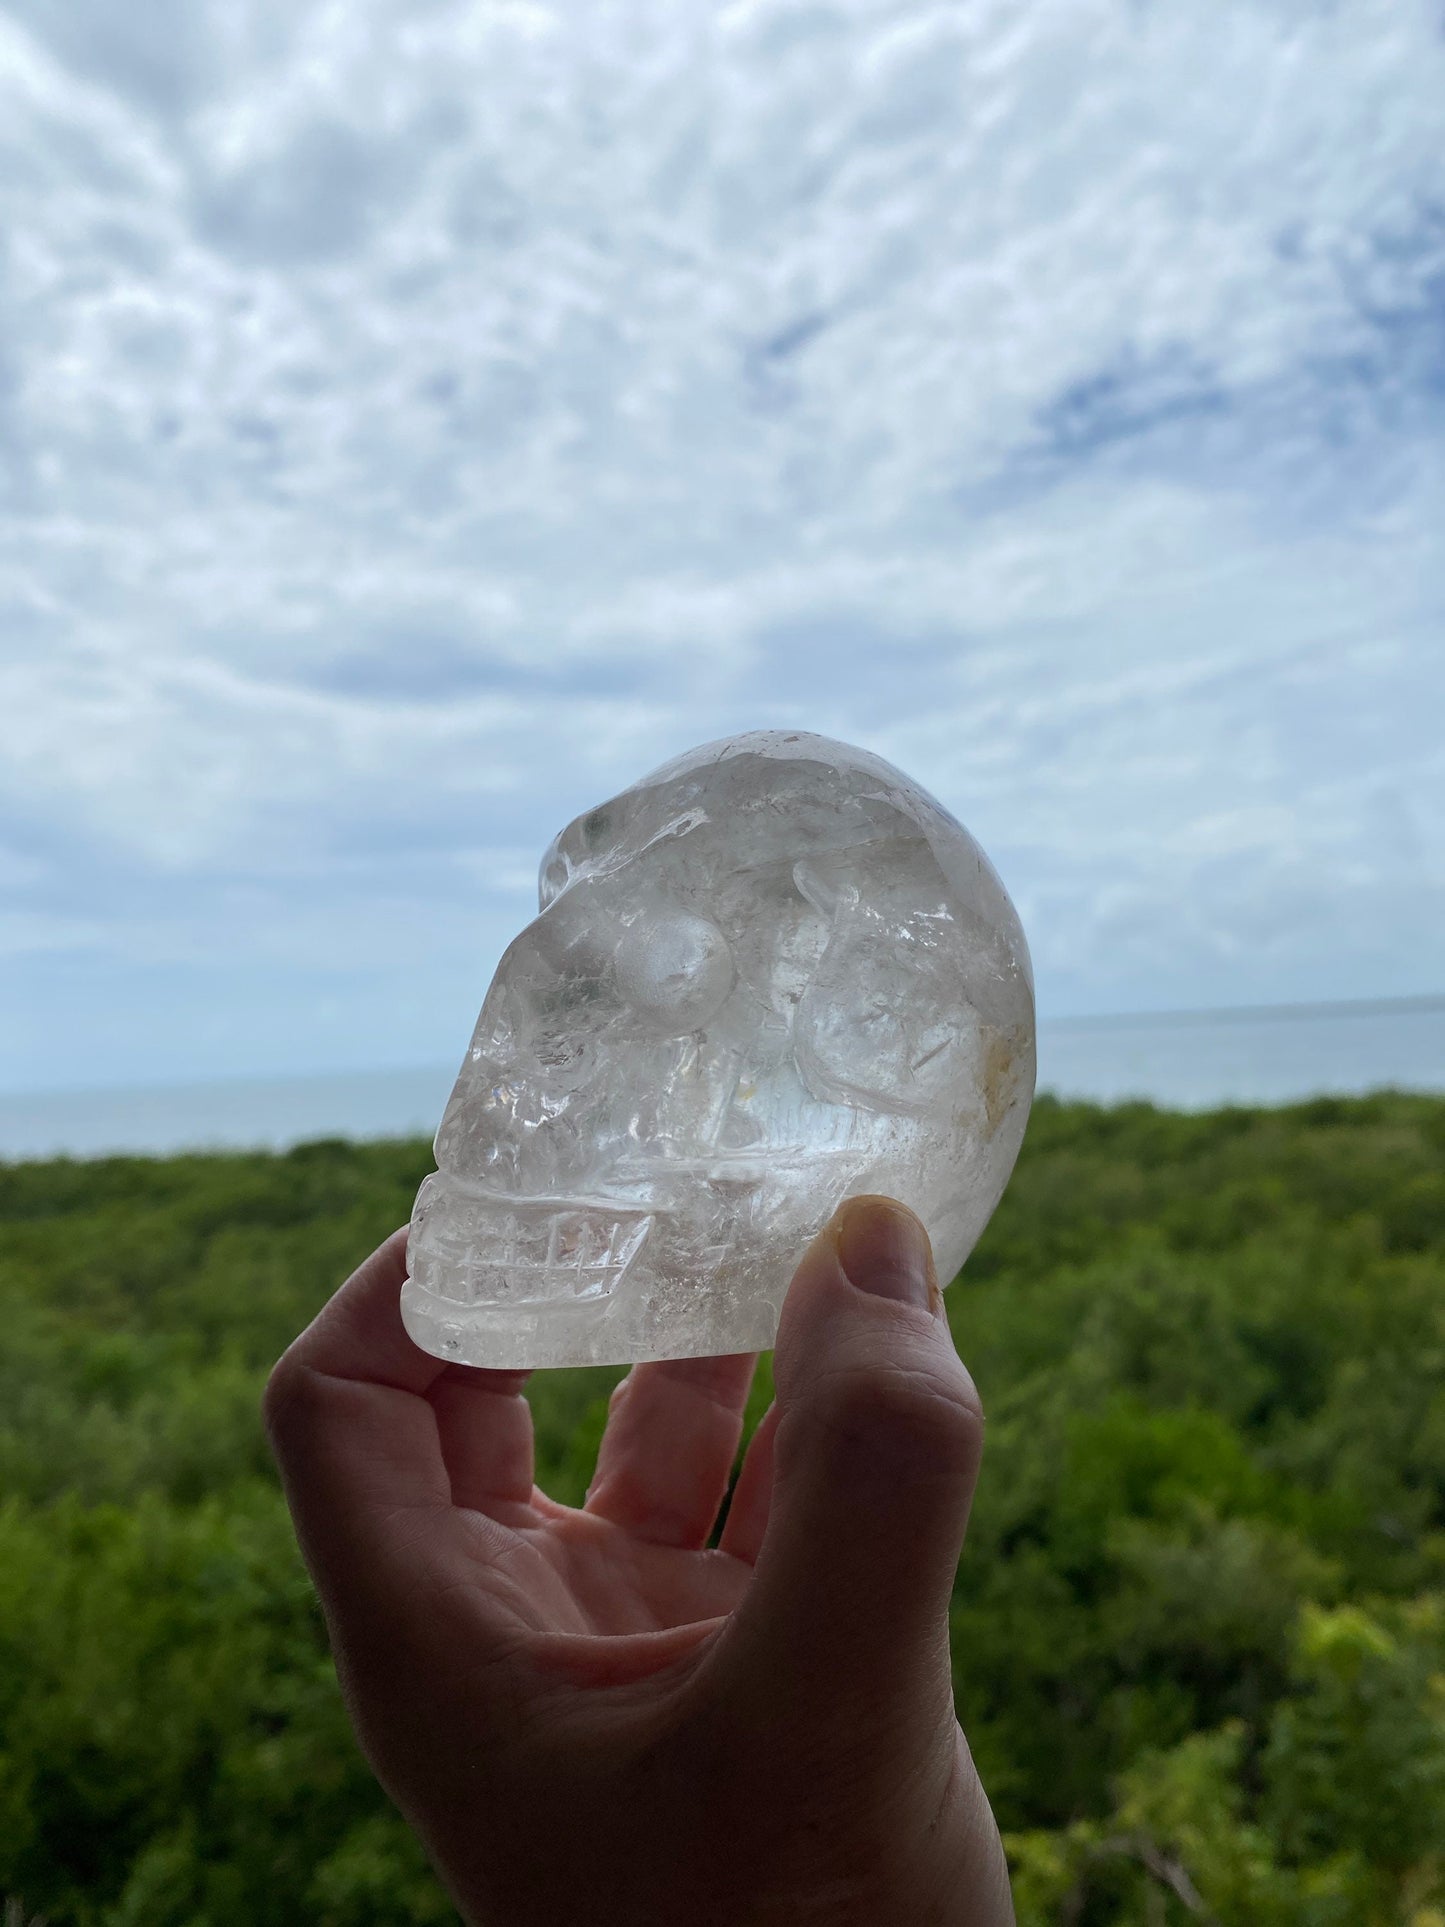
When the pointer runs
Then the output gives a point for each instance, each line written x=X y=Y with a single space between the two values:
x=674 y=970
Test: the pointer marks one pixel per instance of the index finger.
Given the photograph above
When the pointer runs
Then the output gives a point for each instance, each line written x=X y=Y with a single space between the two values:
x=355 y=1434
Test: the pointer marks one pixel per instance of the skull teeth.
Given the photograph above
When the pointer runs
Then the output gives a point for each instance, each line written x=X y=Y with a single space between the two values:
x=570 y=1254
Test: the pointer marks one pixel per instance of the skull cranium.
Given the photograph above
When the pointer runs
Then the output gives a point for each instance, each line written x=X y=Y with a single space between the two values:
x=771 y=975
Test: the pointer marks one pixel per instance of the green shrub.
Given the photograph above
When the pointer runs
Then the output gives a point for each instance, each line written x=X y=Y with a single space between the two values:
x=1197 y=1628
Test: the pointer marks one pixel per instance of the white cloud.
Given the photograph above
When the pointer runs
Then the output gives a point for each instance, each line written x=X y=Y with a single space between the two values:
x=414 y=421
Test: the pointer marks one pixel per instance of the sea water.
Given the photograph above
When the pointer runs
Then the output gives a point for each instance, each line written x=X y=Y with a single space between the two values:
x=1188 y=1061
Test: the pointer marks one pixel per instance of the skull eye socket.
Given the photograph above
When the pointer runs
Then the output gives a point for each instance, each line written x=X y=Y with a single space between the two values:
x=674 y=971
x=553 y=878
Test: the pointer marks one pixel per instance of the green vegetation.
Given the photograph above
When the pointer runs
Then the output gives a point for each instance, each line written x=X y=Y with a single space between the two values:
x=1199 y=1630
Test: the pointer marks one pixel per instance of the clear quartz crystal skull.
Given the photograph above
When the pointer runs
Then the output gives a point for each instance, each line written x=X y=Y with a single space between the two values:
x=771 y=975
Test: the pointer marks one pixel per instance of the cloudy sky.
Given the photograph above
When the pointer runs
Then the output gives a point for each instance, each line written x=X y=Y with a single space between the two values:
x=418 y=420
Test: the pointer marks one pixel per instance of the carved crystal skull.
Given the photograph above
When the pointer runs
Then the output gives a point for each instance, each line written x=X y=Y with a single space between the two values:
x=772 y=975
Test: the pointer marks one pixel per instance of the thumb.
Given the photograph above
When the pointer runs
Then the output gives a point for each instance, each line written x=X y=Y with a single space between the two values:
x=876 y=1456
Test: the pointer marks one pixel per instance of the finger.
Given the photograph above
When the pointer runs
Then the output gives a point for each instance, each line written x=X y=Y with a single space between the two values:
x=485 y=1426
x=355 y=1437
x=876 y=1456
x=747 y=1520
x=358 y=1333
x=672 y=1434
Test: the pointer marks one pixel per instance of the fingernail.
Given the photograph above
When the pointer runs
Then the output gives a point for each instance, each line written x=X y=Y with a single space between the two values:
x=884 y=1249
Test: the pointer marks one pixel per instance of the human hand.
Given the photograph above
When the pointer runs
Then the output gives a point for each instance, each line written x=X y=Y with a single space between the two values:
x=592 y=1716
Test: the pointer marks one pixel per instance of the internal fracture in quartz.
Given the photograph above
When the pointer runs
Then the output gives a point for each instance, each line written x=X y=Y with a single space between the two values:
x=772 y=975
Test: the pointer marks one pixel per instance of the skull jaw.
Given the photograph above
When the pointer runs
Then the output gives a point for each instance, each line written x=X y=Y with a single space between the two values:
x=475 y=1249
x=513 y=1283
x=602 y=1332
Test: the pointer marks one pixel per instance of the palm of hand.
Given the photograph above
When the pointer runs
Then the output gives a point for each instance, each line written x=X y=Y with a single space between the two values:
x=563 y=1570
x=634 y=1559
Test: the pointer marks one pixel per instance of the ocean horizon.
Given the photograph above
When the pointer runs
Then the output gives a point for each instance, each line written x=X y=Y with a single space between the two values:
x=1186 y=1060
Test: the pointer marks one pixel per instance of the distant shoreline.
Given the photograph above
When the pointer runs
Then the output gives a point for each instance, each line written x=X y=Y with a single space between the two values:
x=1254 y=1013
x=1425 y=1003
x=1178 y=1060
